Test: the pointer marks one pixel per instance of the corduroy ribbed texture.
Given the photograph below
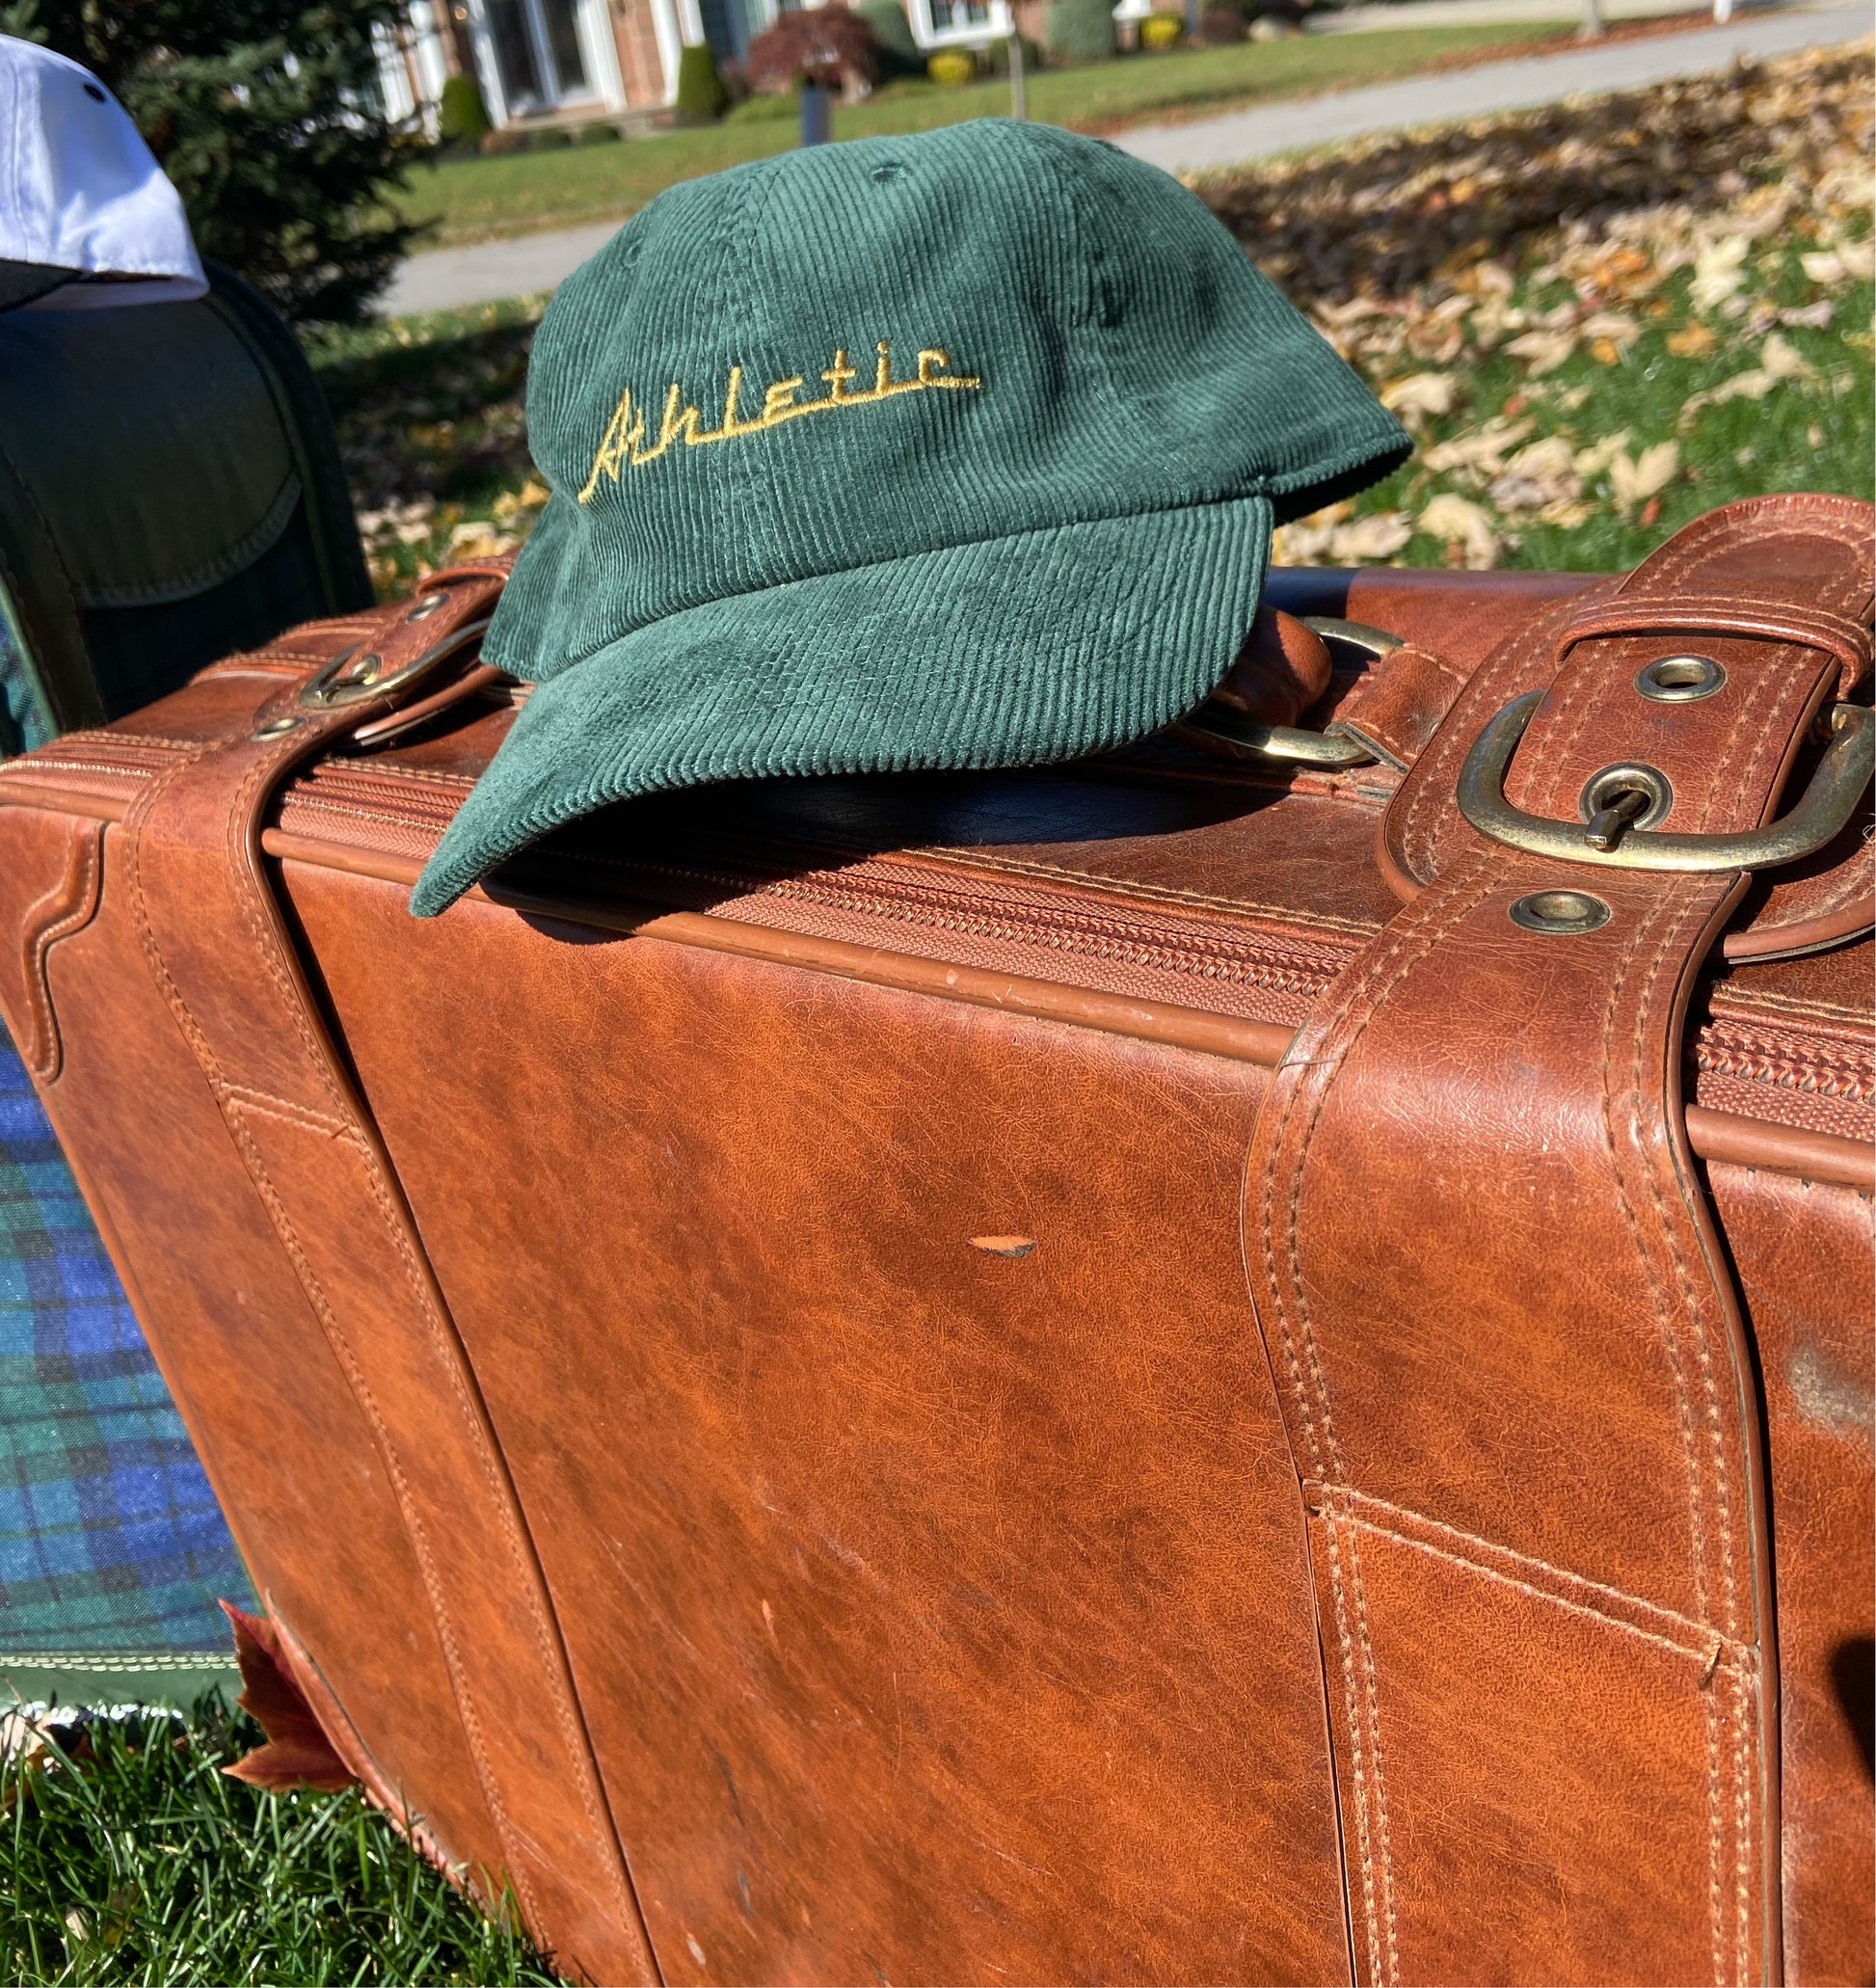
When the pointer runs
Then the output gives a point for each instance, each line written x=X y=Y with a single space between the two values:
x=1046 y=538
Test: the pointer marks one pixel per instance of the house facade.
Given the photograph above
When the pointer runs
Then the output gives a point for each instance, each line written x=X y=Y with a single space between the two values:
x=561 y=61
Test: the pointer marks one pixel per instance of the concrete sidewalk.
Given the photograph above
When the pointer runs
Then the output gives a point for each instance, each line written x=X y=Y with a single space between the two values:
x=447 y=277
x=1521 y=84
x=1376 y=15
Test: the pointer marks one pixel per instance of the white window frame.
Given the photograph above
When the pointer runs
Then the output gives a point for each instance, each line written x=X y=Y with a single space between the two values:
x=676 y=25
x=597 y=52
x=970 y=35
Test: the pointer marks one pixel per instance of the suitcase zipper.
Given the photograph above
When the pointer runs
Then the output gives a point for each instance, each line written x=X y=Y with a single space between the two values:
x=1761 y=1059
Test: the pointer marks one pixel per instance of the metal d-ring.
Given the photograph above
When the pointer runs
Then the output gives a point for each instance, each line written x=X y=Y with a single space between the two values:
x=1827 y=804
x=359 y=673
x=1221 y=730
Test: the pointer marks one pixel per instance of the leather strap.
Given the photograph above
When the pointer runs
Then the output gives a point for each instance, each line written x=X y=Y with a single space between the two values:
x=218 y=950
x=1519 y=1389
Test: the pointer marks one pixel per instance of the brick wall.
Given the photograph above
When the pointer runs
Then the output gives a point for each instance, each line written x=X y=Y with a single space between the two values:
x=640 y=69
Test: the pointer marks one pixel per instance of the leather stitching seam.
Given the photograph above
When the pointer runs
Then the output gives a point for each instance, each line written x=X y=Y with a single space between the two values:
x=1361 y=929
x=335 y=1336
x=268 y=1106
x=1697 y=1635
x=1413 y=934
x=264 y=765
x=1727 y=1651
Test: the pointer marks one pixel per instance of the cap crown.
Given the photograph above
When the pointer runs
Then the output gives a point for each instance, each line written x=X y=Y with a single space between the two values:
x=860 y=352
x=82 y=193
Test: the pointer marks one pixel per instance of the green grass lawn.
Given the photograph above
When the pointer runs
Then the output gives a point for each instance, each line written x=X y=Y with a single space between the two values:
x=126 y=1855
x=468 y=199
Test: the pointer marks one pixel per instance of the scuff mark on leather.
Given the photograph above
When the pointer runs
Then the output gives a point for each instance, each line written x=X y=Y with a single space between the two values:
x=1003 y=1246
x=1827 y=1397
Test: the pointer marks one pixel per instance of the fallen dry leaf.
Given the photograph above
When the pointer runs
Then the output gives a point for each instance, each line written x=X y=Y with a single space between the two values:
x=1420 y=394
x=1596 y=458
x=1617 y=327
x=1692 y=342
x=296 y=1753
x=1377 y=536
x=1483 y=449
x=1634 y=480
x=1753 y=384
x=1545 y=351
x=1858 y=258
x=1718 y=272
x=1305 y=542
x=477 y=540
x=1784 y=361
x=1541 y=475
x=1456 y=521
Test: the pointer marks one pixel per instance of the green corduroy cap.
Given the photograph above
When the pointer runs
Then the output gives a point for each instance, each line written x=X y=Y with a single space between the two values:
x=956 y=450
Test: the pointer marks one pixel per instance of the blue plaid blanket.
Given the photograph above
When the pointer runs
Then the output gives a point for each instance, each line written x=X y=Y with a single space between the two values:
x=111 y=1548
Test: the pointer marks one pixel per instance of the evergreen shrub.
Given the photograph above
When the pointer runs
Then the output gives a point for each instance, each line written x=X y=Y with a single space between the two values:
x=462 y=120
x=267 y=117
x=998 y=56
x=701 y=95
x=900 y=54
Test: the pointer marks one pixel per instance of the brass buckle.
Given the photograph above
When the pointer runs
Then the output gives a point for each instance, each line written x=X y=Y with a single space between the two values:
x=359 y=673
x=1828 y=803
x=1221 y=731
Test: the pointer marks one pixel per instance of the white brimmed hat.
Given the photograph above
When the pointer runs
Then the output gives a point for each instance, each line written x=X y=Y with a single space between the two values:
x=87 y=219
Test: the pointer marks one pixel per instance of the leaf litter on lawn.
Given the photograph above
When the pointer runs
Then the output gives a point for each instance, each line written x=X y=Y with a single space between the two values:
x=1560 y=302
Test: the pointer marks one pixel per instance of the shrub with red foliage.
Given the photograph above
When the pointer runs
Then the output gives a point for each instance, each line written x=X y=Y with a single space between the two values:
x=828 y=45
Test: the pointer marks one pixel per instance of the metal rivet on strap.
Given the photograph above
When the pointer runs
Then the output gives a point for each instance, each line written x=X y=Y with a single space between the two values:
x=1560 y=911
x=426 y=605
x=1681 y=679
x=276 y=728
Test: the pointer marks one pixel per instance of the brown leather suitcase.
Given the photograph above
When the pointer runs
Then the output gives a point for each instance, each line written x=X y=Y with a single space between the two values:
x=1181 y=1368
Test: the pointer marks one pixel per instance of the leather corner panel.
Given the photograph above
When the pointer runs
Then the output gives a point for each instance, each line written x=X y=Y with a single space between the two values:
x=1505 y=1732
x=1803 y=1256
x=898 y=1442
x=56 y=864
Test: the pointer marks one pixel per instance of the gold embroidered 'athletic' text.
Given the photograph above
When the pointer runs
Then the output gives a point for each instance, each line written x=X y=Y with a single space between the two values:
x=623 y=445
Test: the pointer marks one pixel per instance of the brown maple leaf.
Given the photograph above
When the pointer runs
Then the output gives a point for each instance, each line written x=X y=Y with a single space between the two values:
x=297 y=1753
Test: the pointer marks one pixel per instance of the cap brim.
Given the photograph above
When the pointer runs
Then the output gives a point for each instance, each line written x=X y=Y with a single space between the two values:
x=1019 y=651
x=21 y=281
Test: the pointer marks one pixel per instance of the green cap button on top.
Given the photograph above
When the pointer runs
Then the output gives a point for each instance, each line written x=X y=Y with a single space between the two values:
x=955 y=450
